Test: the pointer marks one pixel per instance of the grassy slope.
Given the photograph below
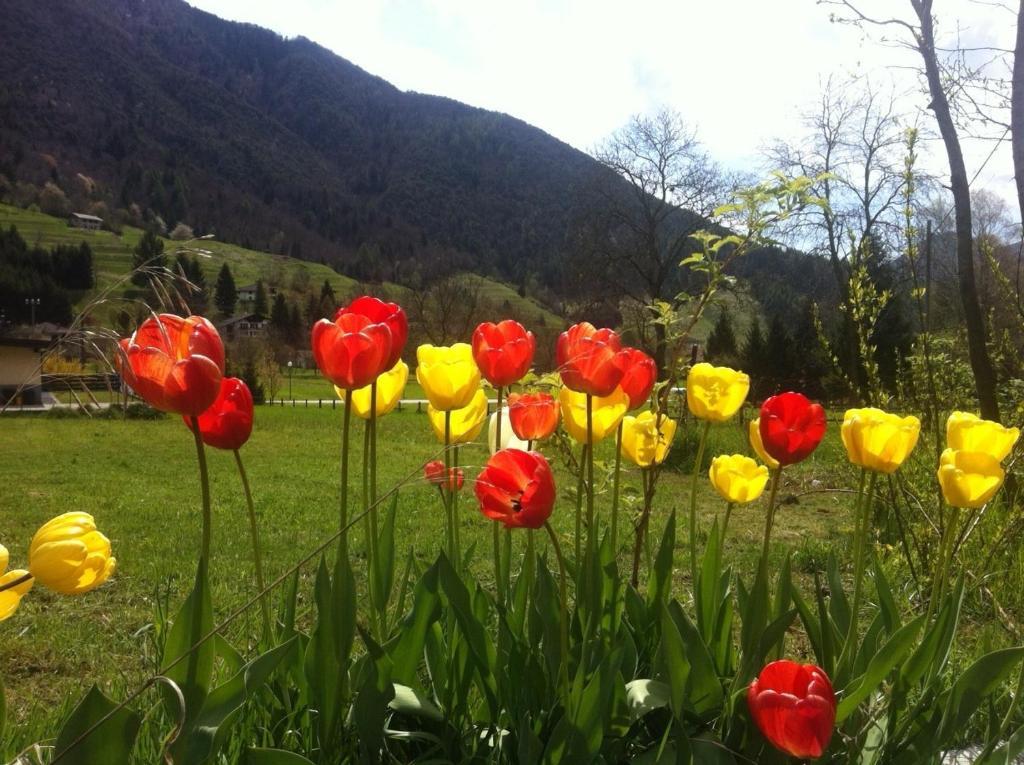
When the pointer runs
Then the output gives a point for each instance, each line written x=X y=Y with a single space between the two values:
x=138 y=479
x=113 y=256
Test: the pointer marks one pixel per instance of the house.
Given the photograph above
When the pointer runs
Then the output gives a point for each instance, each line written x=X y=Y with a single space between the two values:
x=238 y=327
x=81 y=220
x=20 y=369
x=247 y=294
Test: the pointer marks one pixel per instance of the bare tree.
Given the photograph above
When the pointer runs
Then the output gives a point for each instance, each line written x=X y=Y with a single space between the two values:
x=921 y=37
x=672 y=188
x=448 y=309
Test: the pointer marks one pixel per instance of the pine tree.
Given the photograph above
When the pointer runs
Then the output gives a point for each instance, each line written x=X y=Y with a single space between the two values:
x=295 y=325
x=148 y=254
x=753 y=356
x=225 y=294
x=327 y=295
x=260 y=307
x=280 y=318
x=721 y=347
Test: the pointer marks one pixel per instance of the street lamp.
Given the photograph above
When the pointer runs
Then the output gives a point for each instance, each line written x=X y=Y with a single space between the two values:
x=32 y=303
x=290 y=381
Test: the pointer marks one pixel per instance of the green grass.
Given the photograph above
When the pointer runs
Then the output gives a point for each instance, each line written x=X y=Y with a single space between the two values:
x=138 y=479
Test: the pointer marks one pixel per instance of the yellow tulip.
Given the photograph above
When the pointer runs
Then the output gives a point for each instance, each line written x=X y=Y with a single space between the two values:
x=466 y=423
x=607 y=412
x=967 y=432
x=9 y=599
x=969 y=479
x=715 y=393
x=737 y=478
x=448 y=374
x=754 y=431
x=390 y=386
x=877 y=440
x=68 y=555
x=644 y=441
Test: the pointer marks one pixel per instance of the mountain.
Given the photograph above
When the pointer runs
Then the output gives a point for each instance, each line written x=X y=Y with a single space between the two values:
x=275 y=144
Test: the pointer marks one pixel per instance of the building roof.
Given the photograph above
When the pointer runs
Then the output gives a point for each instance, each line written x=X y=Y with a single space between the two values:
x=84 y=216
x=252 y=318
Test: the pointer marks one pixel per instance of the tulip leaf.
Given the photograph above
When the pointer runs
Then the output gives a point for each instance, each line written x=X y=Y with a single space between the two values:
x=187 y=662
x=111 y=742
x=979 y=680
x=675 y=664
x=644 y=696
x=408 y=701
x=705 y=590
x=325 y=675
x=883 y=662
x=886 y=603
x=479 y=642
x=577 y=736
x=660 y=582
x=704 y=691
x=1008 y=752
x=273 y=757
x=811 y=626
x=383 y=568
x=933 y=650
x=838 y=605
x=374 y=694
x=406 y=651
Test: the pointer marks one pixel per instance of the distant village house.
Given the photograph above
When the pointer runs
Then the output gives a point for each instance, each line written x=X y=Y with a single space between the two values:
x=242 y=326
x=81 y=220
x=20 y=379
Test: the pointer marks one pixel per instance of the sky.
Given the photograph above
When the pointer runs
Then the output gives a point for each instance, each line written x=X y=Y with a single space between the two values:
x=741 y=71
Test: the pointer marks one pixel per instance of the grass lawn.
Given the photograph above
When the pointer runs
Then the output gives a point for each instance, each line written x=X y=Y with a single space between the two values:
x=138 y=478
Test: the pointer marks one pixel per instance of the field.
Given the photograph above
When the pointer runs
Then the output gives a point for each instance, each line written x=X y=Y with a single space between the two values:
x=138 y=479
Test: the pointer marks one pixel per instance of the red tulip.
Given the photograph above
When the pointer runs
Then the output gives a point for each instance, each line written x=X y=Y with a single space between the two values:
x=794 y=706
x=639 y=376
x=379 y=312
x=589 y=359
x=516 y=488
x=433 y=472
x=352 y=350
x=791 y=427
x=503 y=351
x=534 y=416
x=227 y=424
x=175 y=364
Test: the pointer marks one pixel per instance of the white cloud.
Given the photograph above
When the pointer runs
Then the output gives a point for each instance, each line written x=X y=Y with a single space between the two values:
x=741 y=70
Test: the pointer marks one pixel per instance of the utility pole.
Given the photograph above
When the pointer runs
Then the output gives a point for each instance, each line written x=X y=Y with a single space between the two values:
x=32 y=303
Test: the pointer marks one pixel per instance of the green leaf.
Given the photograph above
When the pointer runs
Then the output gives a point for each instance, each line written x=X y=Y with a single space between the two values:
x=706 y=590
x=674 y=663
x=406 y=651
x=194 y=673
x=325 y=675
x=972 y=687
x=1008 y=752
x=384 y=562
x=931 y=654
x=703 y=691
x=273 y=757
x=111 y=742
x=660 y=582
x=204 y=738
x=408 y=702
x=883 y=662
x=643 y=696
x=890 y=613
x=369 y=709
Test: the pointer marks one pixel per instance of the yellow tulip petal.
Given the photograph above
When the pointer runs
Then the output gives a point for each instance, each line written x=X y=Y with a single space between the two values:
x=647 y=438
x=967 y=432
x=68 y=555
x=390 y=387
x=715 y=393
x=877 y=440
x=754 y=432
x=465 y=424
x=448 y=374
x=9 y=599
x=738 y=478
x=606 y=413
x=969 y=479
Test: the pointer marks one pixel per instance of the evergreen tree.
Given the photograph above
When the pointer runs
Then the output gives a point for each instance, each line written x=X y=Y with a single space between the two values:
x=225 y=294
x=280 y=318
x=779 y=358
x=327 y=295
x=753 y=356
x=721 y=347
x=251 y=378
x=295 y=325
x=192 y=282
x=148 y=254
x=260 y=306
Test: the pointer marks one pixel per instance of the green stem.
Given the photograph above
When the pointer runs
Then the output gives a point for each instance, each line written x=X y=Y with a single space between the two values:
x=563 y=603
x=615 y=491
x=346 y=424
x=859 y=543
x=591 y=530
x=446 y=492
x=257 y=554
x=693 y=499
x=373 y=464
x=770 y=517
x=453 y=489
x=499 y=585
x=368 y=532
x=204 y=482
x=725 y=523
x=578 y=541
x=641 y=529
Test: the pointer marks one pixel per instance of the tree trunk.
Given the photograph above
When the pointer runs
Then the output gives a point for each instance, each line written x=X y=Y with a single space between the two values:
x=981 y=364
x=1017 y=109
